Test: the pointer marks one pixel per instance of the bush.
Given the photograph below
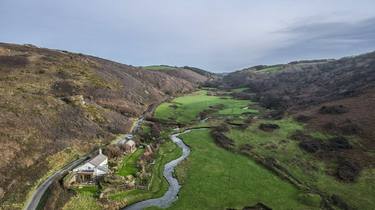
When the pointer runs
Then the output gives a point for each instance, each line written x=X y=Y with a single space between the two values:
x=155 y=130
x=334 y=109
x=337 y=201
x=222 y=141
x=258 y=206
x=303 y=118
x=268 y=127
x=347 y=171
x=13 y=61
x=272 y=101
x=222 y=128
x=311 y=146
x=65 y=88
x=113 y=151
x=338 y=143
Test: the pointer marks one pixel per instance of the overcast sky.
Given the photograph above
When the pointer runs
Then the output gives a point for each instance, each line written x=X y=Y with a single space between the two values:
x=218 y=35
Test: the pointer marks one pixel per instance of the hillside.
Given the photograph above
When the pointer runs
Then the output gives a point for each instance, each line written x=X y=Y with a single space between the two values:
x=336 y=97
x=307 y=86
x=56 y=105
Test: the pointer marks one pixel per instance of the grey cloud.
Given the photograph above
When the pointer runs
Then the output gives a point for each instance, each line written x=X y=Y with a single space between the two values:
x=322 y=40
x=218 y=35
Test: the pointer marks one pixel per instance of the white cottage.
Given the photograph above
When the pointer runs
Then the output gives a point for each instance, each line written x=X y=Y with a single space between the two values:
x=96 y=167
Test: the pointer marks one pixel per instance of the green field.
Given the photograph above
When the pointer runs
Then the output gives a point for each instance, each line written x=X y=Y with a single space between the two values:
x=129 y=163
x=185 y=109
x=214 y=178
x=302 y=165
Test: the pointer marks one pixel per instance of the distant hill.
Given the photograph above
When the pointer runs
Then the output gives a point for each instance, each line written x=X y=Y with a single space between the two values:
x=208 y=74
x=57 y=104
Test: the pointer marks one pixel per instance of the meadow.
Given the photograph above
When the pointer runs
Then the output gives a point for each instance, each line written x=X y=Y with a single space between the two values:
x=185 y=109
x=302 y=165
x=214 y=178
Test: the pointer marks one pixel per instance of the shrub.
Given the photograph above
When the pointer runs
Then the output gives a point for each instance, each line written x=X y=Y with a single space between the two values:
x=113 y=151
x=347 y=171
x=268 y=127
x=337 y=143
x=334 y=109
x=222 y=141
x=13 y=61
x=311 y=146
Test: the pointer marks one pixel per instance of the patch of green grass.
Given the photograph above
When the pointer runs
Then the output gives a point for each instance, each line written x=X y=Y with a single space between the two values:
x=185 y=109
x=310 y=199
x=160 y=68
x=91 y=190
x=157 y=185
x=129 y=163
x=303 y=165
x=82 y=202
x=264 y=141
x=214 y=178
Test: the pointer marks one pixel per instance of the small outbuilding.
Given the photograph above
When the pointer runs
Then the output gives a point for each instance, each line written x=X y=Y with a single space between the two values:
x=130 y=146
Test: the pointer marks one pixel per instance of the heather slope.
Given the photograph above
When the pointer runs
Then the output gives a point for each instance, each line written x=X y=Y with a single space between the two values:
x=56 y=105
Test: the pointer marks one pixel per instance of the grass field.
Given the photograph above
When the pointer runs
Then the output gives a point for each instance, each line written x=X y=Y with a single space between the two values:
x=185 y=109
x=214 y=178
x=129 y=163
x=302 y=165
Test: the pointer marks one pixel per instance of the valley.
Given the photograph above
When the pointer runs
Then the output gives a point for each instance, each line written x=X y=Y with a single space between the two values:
x=288 y=136
x=235 y=163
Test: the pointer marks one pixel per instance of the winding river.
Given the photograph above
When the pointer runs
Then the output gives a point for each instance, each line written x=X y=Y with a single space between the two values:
x=174 y=187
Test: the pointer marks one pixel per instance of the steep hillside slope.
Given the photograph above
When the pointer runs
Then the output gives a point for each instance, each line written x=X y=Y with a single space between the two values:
x=56 y=105
x=336 y=97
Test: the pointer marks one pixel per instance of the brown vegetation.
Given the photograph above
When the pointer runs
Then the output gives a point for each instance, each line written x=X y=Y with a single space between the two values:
x=52 y=100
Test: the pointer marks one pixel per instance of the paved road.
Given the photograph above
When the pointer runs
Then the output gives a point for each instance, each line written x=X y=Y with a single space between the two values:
x=34 y=200
x=174 y=187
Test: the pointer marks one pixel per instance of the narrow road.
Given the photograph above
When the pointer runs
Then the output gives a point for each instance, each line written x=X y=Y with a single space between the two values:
x=34 y=200
x=172 y=194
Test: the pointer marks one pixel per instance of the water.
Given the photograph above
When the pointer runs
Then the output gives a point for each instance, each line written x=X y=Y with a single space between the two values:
x=174 y=187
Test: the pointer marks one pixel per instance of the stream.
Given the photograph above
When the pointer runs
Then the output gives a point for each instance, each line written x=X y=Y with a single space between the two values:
x=174 y=187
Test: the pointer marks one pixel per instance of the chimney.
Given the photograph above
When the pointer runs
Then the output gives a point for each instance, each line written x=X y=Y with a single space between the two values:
x=100 y=151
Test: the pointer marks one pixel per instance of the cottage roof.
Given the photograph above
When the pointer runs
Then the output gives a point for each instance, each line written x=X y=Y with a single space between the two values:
x=100 y=158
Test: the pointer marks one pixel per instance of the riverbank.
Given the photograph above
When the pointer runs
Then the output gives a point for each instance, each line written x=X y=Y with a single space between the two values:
x=174 y=187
